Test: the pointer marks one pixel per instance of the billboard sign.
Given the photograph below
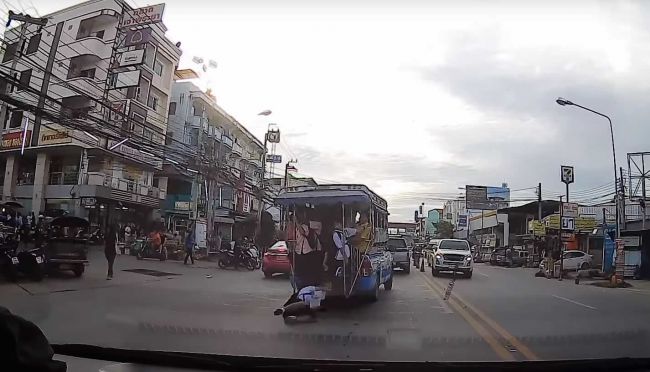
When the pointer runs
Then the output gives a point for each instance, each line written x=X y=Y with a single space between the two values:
x=487 y=197
x=137 y=37
x=566 y=174
x=462 y=220
x=118 y=110
x=14 y=140
x=52 y=137
x=568 y=223
x=143 y=16
x=570 y=210
x=127 y=79
x=273 y=158
x=537 y=227
x=273 y=136
x=131 y=58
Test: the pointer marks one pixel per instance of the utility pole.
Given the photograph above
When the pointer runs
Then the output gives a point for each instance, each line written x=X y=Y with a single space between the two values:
x=286 y=172
x=561 y=241
x=26 y=19
x=46 y=82
x=622 y=203
x=539 y=201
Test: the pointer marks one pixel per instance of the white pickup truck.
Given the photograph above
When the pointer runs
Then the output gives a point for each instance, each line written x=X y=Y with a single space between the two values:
x=399 y=249
x=453 y=255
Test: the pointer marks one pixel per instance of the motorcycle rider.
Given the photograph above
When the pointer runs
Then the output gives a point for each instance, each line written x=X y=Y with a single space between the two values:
x=237 y=253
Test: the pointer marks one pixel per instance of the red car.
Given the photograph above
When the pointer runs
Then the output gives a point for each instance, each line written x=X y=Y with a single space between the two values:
x=276 y=260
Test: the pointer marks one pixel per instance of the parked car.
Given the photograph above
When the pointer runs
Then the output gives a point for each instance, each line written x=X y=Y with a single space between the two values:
x=399 y=249
x=276 y=260
x=499 y=256
x=573 y=260
x=453 y=255
x=431 y=250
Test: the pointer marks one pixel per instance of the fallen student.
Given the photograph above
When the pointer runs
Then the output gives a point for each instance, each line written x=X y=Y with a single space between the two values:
x=304 y=303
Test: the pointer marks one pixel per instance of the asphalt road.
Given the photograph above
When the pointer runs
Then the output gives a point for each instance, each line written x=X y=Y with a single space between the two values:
x=499 y=314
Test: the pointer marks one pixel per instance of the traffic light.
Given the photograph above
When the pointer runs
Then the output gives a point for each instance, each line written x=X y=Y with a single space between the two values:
x=415 y=217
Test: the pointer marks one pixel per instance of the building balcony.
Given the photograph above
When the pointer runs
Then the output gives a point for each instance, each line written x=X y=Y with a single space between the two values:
x=226 y=140
x=100 y=179
x=181 y=203
x=91 y=86
x=95 y=44
x=237 y=149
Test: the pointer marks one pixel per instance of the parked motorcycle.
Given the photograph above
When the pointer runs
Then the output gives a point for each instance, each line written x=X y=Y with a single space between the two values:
x=253 y=255
x=227 y=259
x=13 y=259
x=143 y=249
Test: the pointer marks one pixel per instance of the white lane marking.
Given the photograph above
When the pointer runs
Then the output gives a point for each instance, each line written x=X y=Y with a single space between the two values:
x=574 y=302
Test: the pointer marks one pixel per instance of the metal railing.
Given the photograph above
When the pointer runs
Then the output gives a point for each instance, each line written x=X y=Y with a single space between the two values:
x=100 y=179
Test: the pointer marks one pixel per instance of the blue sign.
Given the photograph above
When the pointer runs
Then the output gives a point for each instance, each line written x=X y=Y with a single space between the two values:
x=608 y=247
x=462 y=220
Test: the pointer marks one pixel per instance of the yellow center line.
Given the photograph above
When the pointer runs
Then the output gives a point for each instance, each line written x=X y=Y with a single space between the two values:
x=499 y=349
x=514 y=341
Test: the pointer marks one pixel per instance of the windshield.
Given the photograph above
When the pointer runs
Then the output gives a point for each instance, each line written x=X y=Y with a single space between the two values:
x=396 y=245
x=454 y=244
x=328 y=180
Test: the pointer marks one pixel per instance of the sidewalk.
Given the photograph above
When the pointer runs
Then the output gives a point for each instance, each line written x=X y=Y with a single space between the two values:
x=94 y=276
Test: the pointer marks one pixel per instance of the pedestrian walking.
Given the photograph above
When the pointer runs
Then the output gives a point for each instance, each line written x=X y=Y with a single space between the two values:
x=109 y=250
x=217 y=243
x=189 y=248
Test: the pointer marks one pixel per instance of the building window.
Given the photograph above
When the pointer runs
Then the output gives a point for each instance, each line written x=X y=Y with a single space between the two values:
x=25 y=78
x=89 y=73
x=154 y=101
x=172 y=108
x=150 y=55
x=10 y=52
x=142 y=91
x=34 y=43
x=158 y=68
x=64 y=172
x=16 y=119
x=148 y=134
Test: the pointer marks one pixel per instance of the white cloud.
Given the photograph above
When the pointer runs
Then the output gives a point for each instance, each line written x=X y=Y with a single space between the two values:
x=464 y=92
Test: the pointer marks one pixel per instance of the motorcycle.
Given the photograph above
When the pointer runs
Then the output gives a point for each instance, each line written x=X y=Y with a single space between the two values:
x=145 y=250
x=13 y=260
x=227 y=259
x=252 y=254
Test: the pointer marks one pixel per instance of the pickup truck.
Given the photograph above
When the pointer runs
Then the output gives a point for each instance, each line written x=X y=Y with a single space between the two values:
x=401 y=253
x=453 y=255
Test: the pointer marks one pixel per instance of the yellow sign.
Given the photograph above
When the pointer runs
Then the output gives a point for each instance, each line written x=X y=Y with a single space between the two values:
x=52 y=137
x=583 y=224
x=537 y=227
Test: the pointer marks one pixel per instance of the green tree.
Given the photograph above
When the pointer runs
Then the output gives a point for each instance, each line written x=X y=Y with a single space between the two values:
x=444 y=230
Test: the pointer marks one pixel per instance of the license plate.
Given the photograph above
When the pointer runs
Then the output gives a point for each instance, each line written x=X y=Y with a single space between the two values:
x=14 y=260
x=65 y=267
x=39 y=259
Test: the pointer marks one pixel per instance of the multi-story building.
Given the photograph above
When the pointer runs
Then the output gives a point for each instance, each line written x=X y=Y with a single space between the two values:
x=224 y=194
x=96 y=151
x=433 y=217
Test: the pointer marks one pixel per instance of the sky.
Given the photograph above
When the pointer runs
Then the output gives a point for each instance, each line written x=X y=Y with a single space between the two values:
x=418 y=98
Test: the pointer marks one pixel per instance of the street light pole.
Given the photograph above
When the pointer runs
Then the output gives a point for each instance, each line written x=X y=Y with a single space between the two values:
x=564 y=102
